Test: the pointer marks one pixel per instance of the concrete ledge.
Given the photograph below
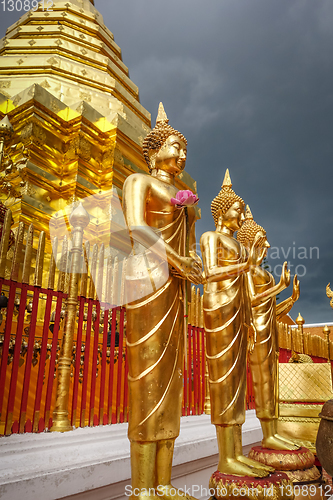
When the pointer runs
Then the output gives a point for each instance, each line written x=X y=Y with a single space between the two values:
x=93 y=463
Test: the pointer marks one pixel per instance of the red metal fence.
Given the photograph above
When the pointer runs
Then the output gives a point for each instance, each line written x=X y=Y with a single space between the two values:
x=29 y=352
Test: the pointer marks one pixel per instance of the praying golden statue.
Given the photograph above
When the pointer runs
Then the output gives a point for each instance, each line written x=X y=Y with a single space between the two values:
x=155 y=322
x=264 y=358
x=227 y=322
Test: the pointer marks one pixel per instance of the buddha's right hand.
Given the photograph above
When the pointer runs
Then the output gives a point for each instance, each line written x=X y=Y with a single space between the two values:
x=191 y=269
x=296 y=292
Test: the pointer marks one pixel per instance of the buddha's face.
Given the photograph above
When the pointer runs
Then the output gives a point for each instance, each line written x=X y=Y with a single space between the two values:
x=234 y=217
x=172 y=156
x=261 y=245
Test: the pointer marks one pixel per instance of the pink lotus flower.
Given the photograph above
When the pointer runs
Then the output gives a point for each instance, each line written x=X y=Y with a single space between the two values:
x=185 y=199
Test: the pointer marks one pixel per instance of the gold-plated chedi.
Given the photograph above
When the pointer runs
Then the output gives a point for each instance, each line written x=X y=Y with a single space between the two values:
x=264 y=358
x=155 y=323
x=227 y=321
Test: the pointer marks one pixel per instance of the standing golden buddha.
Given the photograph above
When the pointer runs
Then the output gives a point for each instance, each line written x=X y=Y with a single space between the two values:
x=155 y=322
x=227 y=321
x=264 y=358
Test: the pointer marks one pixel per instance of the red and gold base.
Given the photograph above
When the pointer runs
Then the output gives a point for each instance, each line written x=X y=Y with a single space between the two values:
x=298 y=466
x=276 y=486
x=284 y=460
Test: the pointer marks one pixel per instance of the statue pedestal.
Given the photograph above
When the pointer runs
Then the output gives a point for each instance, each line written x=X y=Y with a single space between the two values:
x=298 y=466
x=276 y=486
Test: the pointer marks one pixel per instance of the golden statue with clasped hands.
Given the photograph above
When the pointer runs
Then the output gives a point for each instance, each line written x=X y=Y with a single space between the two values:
x=227 y=322
x=155 y=322
x=264 y=357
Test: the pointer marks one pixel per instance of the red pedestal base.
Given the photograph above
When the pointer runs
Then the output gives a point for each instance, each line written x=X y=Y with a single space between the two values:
x=285 y=460
x=273 y=487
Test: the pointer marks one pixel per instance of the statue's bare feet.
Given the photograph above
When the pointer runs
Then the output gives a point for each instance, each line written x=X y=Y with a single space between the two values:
x=286 y=440
x=255 y=464
x=275 y=443
x=169 y=492
x=237 y=468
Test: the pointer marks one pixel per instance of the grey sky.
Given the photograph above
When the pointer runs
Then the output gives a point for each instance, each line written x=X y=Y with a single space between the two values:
x=249 y=83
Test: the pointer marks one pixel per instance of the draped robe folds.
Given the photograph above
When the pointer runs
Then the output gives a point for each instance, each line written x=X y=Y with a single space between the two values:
x=155 y=346
x=263 y=360
x=226 y=314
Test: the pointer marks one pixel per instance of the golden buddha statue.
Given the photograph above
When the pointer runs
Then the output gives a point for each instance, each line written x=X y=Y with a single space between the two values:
x=155 y=323
x=264 y=358
x=227 y=322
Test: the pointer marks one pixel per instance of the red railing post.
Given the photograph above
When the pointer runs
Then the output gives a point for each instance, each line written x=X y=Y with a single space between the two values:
x=120 y=363
x=86 y=364
x=77 y=360
x=94 y=365
x=16 y=358
x=42 y=360
x=27 y=373
x=103 y=366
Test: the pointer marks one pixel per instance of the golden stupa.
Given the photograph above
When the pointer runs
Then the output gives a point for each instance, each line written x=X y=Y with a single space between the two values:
x=77 y=119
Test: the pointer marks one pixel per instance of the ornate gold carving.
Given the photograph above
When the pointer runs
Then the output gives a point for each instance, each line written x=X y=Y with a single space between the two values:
x=311 y=474
x=28 y=189
x=16 y=100
x=300 y=419
x=53 y=60
x=232 y=488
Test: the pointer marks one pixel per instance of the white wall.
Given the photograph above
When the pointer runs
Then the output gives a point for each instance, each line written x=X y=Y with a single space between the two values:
x=93 y=463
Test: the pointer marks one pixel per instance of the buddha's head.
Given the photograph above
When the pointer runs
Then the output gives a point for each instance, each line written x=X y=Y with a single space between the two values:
x=249 y=231
x=227 y=207
x=164 y=147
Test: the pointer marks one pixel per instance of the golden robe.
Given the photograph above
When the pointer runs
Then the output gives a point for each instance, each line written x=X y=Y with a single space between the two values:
x=226 y=314
x=155 y=340
x=264 y=360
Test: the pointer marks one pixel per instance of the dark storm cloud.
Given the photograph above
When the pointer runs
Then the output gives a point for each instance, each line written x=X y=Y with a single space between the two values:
x=249 y=83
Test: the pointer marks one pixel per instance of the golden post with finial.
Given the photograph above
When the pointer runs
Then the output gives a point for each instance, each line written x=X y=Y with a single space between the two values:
x=300 y=322
x=327 y=332
x=79 y=219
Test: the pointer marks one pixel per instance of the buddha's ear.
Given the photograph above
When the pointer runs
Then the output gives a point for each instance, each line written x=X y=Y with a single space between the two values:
x=219 y=218
x=152 y=158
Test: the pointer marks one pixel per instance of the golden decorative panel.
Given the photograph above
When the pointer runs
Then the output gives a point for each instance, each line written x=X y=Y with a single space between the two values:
x=305 y=382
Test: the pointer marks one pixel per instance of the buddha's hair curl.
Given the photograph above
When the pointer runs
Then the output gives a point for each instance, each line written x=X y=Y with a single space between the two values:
x=248 y=231
x=223 y=201
x=157 y=137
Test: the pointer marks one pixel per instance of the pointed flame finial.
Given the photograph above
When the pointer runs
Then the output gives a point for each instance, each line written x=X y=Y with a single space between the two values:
x=161 y=115
x=248 y=213
x=300 y=320
x=227 y=181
